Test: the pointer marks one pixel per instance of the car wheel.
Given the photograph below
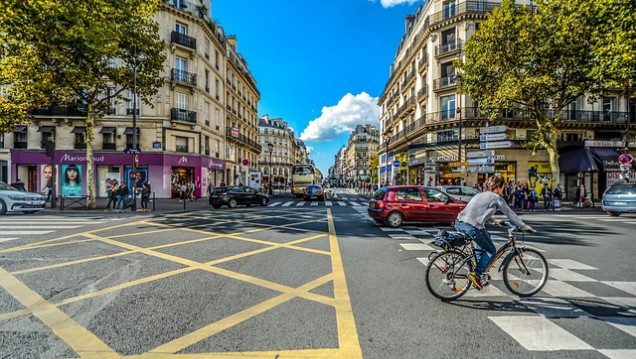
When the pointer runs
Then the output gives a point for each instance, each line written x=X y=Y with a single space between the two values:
x=394 y=219
x=29 y=212
x=216 y=206
x=305 y=199
x=3 y=207
x=232 y=203
x=263 y=201
x=614 y=214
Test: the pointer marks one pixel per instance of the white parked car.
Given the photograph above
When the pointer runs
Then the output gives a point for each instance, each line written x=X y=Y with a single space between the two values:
x=463 y=193
x=13 y=200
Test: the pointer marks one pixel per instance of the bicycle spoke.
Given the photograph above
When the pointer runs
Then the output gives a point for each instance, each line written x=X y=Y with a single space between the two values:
x=526 y=273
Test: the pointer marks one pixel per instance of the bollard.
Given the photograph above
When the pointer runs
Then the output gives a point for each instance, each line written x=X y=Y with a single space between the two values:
x=153 y=201
x=184 y=204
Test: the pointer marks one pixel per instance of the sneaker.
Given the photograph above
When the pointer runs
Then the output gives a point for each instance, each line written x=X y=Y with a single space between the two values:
x=475 y=280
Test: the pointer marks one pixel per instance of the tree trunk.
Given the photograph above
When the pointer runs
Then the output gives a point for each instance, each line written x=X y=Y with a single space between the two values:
x=553 y=155
x=90 y=179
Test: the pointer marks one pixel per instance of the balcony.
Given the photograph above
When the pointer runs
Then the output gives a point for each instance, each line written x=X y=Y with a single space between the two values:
x=109 y=146
x=20 y=145
x=184 y=77
x=240 y=138
x=462 y=8
x=423 y=61
x=448 y=48
x=183 y=40
x=421 y=93
x=444 y=82
x=129 y=112
x=183 y=149
x=177 y=114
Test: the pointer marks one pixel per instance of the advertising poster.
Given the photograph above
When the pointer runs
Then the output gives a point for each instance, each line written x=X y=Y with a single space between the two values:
x=47 y=175
x=140 y=177
x=71 y=179
x=539 y=174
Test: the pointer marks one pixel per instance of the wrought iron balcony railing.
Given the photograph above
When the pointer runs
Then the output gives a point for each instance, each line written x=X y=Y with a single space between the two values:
x=183 y=40
x=184 y=77
x=177 y=114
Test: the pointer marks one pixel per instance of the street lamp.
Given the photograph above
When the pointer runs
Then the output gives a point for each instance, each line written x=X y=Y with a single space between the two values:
x=458 y=78
x=270 y=147
x=136 y=56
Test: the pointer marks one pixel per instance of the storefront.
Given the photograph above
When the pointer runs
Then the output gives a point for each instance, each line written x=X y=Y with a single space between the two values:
x=5 y=165
x=161 y=170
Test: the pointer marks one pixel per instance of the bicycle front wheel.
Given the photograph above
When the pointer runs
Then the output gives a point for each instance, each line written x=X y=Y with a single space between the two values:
x=526 y=272
x=446 y=275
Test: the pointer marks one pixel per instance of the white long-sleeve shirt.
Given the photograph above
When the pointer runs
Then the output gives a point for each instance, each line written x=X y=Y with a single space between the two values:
x=483 y=206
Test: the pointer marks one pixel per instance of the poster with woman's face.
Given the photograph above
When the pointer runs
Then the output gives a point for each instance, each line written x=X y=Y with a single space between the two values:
x=71 y=179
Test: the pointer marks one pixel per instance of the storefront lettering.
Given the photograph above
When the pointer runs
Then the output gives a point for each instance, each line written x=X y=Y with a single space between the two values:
x=603 y=143
x=446 y=158
x=183 y=159
x=75 y=158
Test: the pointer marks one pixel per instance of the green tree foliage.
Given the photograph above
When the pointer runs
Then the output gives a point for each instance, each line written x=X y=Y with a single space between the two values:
x=536 y=60
x=73 y=54
x=374 y=162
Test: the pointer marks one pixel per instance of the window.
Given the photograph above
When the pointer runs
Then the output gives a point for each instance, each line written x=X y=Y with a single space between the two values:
x=217 y=118
x=181 y=66
x=207 y=114
x=129 y=104
x=1 y=140
x=448 y=70
x=216 y=59
x=454 y=190
x=217 y=89
x=181 y=144
x=448 y=107
x=433 y=195
x=216 y=148
x=446 y=136
x=409 y=194
x=20 y=137
x=181 y=101
x=207 y=145
x=608 y=107
x=207 y=81
x=448 y=40
x=113 y=101
x=181 y=28
x=207 y=49
x=449 y=9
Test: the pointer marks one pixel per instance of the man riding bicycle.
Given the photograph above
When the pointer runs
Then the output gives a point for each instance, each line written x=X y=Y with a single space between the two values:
x=472 y=220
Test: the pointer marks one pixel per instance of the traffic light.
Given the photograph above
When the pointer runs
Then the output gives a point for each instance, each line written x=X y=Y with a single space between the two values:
x=49 y=147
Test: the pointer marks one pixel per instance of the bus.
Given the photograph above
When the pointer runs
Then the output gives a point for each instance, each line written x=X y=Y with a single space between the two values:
x=303 y=176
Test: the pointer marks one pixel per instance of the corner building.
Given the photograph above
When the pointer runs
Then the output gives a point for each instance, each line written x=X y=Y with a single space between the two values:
x=201 y=129
x=423 y=117
x=278 y=156
x=363 y=142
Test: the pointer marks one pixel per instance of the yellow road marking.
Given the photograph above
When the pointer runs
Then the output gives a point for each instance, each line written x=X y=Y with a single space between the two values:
x=347 y=331
x=74 y=335
x=217 y=327
x=279 y=354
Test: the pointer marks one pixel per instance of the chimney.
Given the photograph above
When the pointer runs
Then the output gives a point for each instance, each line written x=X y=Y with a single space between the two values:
x=408 y=22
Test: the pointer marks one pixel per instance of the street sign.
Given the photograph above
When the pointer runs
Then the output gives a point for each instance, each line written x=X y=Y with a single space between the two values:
x=480 y=169
x=458 y=170
x=493 y=129
x=478 y=154
x=481 y=161
x=625 y=159
x=458 y=164
x=131 y=151
x=245 y=162
x=495 y=137
x=396 y=163
x=502 y=144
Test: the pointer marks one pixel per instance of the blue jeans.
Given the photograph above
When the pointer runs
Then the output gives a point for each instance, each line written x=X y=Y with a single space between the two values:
x=120 y=200
x=484 y=243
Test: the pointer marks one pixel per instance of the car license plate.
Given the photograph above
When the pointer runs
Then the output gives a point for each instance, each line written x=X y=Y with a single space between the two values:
x=620 y=203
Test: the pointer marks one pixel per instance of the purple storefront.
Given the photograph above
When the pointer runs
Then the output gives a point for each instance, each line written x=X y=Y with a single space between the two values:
x=164 y=171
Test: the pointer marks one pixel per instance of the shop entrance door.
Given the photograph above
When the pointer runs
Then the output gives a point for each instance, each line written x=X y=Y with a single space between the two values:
x=32 y=181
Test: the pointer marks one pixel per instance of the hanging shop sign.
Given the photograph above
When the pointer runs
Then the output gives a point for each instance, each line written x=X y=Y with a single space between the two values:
x=502 y=144
x=493 y=129
x=478 y=154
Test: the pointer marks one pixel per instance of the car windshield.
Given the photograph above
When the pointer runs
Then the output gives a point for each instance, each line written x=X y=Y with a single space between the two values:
x=622 y=189
x=313 y=187
x=6 y=187
x=303 y=170
x=469 y=191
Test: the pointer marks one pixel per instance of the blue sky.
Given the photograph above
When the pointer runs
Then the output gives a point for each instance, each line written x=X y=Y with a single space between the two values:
x=320 y=65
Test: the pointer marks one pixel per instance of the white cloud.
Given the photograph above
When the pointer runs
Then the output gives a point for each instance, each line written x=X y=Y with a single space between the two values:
x=310 y=149
x=350 y=111
x=389 y=3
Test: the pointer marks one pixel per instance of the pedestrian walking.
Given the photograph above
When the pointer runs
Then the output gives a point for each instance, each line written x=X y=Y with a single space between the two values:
x=558 y=194
x=111 y=194
x=546 y=192
x=122 y=195
x=532 y=199
x=210 y=188
x=145 y=196
x=580 y=196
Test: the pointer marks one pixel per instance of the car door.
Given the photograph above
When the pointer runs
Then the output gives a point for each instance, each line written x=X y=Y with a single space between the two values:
x=238 y=193
x=411 y=204
x=439 y=206
x=455 y=192
x=250 y=196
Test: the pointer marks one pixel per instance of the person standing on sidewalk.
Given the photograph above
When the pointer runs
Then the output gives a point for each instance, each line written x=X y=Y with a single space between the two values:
x=558 y=194
x=532 y=199
x=580 y=196
x=546 y=192
x=122 y=194
x=145 y=197
x=111 y=194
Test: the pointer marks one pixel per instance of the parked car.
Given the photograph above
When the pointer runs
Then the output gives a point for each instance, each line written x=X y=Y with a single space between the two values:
x=396 y=205
x=464 y=193
x=619 y=198
x=233 y=196
x=313 y=191
x=13 y=200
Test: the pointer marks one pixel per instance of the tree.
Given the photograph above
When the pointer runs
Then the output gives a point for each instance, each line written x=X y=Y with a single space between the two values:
x=76 y=53
x=536 y=60
x=374 y=162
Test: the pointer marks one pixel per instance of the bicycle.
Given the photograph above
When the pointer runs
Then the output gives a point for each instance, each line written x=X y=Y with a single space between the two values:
x=525 y=270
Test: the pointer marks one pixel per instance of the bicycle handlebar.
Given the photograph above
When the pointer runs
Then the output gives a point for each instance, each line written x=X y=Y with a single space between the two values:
x=514 y=227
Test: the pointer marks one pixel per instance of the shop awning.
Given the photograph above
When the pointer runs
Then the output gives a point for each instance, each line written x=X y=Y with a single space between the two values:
x=577 y=160
x=108 y=130
x=129 y=131
x=20 y=129
x=607 y=158
x=78 y=129
x=46 y=129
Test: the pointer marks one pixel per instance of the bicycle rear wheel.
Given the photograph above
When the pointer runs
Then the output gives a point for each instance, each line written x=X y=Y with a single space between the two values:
x=526 y=272
x=446 y=275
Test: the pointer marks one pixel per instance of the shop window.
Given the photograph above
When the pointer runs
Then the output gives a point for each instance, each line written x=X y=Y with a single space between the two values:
x=181 y=144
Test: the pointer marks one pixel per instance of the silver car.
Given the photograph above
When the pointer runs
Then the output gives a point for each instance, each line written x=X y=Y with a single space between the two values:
x=619 y=198
x=12 y=200
x=463 y=193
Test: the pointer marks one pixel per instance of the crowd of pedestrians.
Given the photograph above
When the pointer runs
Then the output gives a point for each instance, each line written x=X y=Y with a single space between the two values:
x=522 y=196
x=121 y=197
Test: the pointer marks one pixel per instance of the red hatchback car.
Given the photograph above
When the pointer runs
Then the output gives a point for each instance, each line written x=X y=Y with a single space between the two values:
x=396 y=205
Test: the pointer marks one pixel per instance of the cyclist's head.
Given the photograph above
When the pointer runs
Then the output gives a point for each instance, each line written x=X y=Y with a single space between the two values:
x=494 y=182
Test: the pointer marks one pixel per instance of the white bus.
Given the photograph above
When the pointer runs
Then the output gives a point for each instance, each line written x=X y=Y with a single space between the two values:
x=303 y=176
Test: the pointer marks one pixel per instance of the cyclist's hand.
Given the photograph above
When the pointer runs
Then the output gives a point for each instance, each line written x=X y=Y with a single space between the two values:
x=527 y=229
x=498 y=222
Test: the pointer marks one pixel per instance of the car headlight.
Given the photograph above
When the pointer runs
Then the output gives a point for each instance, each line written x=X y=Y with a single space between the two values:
x=17 y=198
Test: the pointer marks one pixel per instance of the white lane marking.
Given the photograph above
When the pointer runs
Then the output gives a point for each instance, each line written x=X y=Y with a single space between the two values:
x=314 y=204
x=539 y=333
x=38 y=227
x=626 y=324
x=328 y=203
x=416 y=247
x=621 y=301
x=389 y=229
x=570 y=264
x=551 y=307
x=418 y=233
x=273 y=204
x=618 y=353
x=287 y=204
x=341 y=203
x=423 y=261
x=401 y=236
x=299 y=204
x=7 y=239
x=627 y=287
x=567 y=275
x=355 y=204
x=488 y=291
x=564 y=290
x=16 y=233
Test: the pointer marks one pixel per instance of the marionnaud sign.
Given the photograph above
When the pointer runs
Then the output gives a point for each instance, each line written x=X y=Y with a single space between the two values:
x=495 y=137
x=493 y=129
x=502 y=144
x=481 y=161
x=487 y=153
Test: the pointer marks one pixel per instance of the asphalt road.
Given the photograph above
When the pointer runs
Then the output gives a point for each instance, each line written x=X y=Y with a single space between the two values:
x=300 y=280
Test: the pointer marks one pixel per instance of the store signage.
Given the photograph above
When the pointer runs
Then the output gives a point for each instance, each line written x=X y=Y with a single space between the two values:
x=454 y=175
x=625 y=159
x=493 y=129
x=487 y=153
x=183 y=160
x=446 y=158
x=481 y=161
x=495 y=137
x=235 y=132
x=82 y=158
x=603 y=143
x=619 y=177
x=502 y=144
x=458 y=164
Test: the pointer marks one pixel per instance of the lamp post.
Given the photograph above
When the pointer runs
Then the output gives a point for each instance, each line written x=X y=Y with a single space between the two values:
x=270 y=147
x=136 y=56
x=458 y=78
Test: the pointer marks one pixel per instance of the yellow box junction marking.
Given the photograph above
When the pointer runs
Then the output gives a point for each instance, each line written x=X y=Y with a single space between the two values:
x=86 y=344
